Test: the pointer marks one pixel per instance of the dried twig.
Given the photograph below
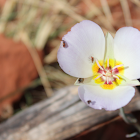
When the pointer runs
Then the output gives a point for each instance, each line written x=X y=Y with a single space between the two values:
x=137 y=2
x=7 y=10
x=126 y=12
x=37 y=62
x=97 y=12
x=106 y=10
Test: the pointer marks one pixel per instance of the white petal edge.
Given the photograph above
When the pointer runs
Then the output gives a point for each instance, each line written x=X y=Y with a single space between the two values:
x=127 y=50
x=85 y=40
x=107 y=99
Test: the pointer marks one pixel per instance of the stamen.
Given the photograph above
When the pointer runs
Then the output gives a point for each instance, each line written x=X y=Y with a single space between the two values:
x=116 y=76
x=103 y=73
x=108 y=62
x=117 y=66
x=99 y=65
x=107 y=74
x=98 y=76
x=107 y=80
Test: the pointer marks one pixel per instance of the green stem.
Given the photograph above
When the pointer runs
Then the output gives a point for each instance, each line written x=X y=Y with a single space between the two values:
x=123 y=115
x=130 y=119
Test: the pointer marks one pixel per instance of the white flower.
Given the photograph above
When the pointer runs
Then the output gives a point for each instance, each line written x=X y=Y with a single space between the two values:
x=106 y=68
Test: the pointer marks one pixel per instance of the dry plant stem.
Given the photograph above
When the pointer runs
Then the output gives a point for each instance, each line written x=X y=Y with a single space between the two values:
x=38 y=64
x=137 y=2
x=131 y=121
x=7 y=10
x=123 y=115
x=95 y=11
x=67 y=9
x=106 y=10
x=52 y=57
x=126 y=12
x=41 y=71
x=44 y=31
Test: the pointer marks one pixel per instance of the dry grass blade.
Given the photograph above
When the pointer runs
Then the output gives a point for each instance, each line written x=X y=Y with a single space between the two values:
x=137 y=2
x=97 y=12
x=37 y=62
x=7 y=10
x=24 y=8
x=106 y=10
x=44 y=31
x=58 y=78
x=126 y=12
x=52 y=56
x=67 y=9
x=73 y=2
x=93 y=10
x=26 y=17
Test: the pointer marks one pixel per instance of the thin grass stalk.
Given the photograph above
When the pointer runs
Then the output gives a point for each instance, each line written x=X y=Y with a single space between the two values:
x=106 y=10
x=38 y=64
x=7 y=10
x=126 y=12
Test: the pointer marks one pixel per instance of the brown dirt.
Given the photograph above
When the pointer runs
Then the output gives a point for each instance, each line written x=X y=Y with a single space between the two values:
x=2 y=2
x=17 y=69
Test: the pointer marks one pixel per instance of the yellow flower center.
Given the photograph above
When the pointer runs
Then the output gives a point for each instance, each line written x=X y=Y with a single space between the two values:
x=106 y=74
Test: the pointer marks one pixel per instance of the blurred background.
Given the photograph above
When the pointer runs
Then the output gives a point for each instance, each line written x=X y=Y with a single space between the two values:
x=30 y=35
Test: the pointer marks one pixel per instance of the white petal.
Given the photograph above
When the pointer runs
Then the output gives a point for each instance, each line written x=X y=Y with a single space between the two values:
x=85 y=40
x=127 y=50
x=107 y=99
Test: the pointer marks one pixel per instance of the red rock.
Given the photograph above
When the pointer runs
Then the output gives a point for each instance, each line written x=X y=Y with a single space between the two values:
x=2 y=2
x=17 y=69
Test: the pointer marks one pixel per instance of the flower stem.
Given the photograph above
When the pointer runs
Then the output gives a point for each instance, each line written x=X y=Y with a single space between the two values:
x=130 y=119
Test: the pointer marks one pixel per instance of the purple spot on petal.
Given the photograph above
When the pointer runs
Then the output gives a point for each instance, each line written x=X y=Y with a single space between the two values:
x=93 y=102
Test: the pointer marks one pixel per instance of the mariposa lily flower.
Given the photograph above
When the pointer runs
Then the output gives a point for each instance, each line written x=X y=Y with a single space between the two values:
x=106 y=68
